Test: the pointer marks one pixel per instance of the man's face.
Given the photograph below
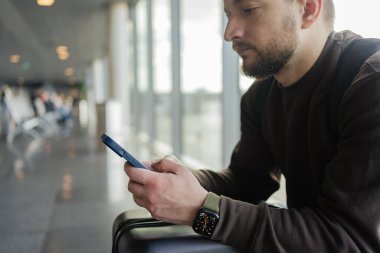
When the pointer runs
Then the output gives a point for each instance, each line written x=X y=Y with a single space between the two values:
x=263 y=33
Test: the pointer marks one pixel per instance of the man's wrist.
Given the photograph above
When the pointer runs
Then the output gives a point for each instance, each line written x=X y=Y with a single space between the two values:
x=207 y=217
x=212 y=202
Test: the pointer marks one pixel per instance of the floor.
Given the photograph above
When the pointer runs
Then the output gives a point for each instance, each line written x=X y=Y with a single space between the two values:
x=60 y=194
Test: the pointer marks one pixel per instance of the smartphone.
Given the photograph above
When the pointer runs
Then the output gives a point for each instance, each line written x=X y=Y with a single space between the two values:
x=120 y=151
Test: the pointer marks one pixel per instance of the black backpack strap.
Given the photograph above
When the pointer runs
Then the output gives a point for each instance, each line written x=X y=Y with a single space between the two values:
x=261 y=94
x=350 y=62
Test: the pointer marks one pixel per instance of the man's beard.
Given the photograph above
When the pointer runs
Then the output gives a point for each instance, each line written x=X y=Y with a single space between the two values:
x=271 y=59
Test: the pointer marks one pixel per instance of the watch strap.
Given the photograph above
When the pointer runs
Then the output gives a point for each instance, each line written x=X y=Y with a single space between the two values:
x=212 y=202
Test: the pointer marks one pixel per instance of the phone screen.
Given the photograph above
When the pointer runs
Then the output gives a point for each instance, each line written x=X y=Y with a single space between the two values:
x=114 y=146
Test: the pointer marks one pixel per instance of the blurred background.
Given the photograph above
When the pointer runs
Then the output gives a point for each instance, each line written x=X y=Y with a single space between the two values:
x=155 y=75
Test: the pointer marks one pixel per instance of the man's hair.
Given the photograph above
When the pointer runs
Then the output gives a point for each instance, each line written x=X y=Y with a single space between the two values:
x=329 y=12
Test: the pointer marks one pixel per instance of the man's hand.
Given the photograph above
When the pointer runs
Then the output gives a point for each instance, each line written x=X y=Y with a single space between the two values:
x=169 y=191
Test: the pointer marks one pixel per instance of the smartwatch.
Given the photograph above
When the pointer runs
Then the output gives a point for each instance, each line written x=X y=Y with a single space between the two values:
x=208 y=216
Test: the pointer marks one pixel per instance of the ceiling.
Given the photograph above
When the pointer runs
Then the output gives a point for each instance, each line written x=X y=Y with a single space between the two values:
x=34 y=32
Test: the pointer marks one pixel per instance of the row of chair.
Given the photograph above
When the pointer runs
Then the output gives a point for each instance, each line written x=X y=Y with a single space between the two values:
x=24 y=126
x=22 y=116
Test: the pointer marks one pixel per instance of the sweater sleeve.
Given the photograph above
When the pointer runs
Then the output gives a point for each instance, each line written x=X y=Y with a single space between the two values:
x=251 y=175
x=346 y=217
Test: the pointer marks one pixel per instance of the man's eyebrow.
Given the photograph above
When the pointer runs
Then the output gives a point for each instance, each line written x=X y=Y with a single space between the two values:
x=250 y=1
x=235 y=2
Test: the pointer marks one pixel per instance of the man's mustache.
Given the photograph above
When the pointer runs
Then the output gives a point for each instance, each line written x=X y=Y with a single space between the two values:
x=241 y=45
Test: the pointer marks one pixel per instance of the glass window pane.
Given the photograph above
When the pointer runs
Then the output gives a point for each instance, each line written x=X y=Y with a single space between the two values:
x=244 y=81
x=142 y=70
x=201 y=80
x=360 y=18
x=131 y=70
x=162 y=69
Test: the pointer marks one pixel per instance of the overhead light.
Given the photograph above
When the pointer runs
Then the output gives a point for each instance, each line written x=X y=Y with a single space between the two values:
x=61 y=49
x=69 y=72
x=46 y=3
x=62 y=52
x=14 y=58
x=64 y=56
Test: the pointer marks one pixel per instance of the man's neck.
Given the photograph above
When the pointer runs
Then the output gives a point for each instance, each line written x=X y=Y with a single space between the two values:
x=303 y=60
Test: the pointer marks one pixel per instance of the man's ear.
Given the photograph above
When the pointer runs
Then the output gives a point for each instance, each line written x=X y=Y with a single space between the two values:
x=311 y=12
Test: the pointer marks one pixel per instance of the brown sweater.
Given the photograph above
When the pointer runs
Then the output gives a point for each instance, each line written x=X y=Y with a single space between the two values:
x=333 y=191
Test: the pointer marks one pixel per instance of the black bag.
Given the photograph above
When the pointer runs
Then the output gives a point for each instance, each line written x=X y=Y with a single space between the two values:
x=135 y=231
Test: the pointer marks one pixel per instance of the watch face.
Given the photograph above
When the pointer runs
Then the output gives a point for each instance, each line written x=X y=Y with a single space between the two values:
x=205 y=222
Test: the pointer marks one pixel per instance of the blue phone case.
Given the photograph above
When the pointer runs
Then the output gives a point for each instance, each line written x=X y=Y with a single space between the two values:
x=121 y=152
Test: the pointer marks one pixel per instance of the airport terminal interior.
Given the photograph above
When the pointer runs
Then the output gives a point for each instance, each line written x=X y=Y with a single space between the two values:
x=155 y=75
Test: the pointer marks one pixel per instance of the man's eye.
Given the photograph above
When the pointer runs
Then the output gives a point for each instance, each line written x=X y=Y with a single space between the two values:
x=249 y=10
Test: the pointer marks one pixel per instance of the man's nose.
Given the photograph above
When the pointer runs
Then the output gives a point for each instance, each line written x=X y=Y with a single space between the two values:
x=234 y=30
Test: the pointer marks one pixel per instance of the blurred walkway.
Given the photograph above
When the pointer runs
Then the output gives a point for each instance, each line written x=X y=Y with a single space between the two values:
x=59 y=195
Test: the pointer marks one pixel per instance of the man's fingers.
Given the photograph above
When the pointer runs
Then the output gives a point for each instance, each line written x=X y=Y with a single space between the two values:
x=139 y=201
x=136 y=189
x=173 y=158
x=168 y=165
x=147 y=164
x=138 y=175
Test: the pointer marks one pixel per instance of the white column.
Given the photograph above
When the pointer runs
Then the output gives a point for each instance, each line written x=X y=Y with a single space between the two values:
x=100 y=94
x=89 y=109
x=176 y=76
x=100 y=80
x=119 y=92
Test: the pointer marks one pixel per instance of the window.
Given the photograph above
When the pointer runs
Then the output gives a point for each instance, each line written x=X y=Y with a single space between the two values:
x=142 y=69
x=244 y=81
x=362 y=18
x=162 y=70
x=201 y=80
